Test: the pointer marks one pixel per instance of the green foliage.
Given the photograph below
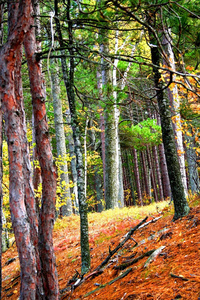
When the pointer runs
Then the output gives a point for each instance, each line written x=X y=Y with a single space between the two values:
x=145 y=133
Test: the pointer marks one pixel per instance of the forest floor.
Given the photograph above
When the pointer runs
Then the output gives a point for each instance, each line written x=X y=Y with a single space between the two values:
x=172 y=274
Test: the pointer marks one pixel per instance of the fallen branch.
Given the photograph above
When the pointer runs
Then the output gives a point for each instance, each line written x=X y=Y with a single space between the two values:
x=109 y=283
x=151 y=221
x=120 y=245
x=133 y=261
x=179 y=276
x=153 y=256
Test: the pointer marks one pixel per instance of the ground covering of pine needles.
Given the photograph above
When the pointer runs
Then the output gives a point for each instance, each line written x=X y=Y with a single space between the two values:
x=172 y=274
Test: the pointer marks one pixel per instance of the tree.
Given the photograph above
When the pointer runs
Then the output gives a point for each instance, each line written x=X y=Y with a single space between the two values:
x=68 y=77
x=66 y=207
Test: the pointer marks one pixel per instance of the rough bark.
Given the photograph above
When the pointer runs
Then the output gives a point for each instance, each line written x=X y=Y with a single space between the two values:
x=69 y=84
x=179 y=197
x=175 y=106
x=111 y=151
x=19 y=22
x=194 y=184
x=47 y=211
x=66 y=208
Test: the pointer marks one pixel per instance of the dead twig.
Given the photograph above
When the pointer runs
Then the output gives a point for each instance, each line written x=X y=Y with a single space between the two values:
x=133 y=261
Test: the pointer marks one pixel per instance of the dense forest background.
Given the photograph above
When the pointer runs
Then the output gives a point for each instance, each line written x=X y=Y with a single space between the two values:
x=99 y=109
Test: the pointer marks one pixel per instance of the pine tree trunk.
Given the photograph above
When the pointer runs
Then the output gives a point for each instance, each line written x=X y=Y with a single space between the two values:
x=111 y=148
x=179 y=197
x=157 y=166
x=66 y=208
x=137 y=176
x=18 y=25
x=47 y=212
x=69 y=137
x=194 y=183
x=175 y=107
x=145 y=174
x=163 y=167
x=152 y=174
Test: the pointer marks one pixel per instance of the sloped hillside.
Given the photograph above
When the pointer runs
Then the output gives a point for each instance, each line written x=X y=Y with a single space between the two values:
x=135 y=270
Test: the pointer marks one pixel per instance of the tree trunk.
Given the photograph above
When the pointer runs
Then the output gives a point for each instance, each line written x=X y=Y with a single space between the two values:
x=1 y=193
x=163 y=167
x=157 y=166
x=111 y=150
x=69 y=84
x=19 y=22
x=179 y=197
x=152 y=174
x=145 y=174
x=69 y=137
x=66 y=207
x=47 y=211
x=194 y=183
x=175 y=107
x=137 y=176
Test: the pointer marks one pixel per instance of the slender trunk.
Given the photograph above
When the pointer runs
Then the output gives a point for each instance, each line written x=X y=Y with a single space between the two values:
x=47 y=211
x=194 y=183
x=179 y=197
x=69 y=137
x=85 y=154
x=152 y=174
x=66 y=207
x=163 y=168
x=137 y=176
x=145 y=174
x=157 y=166
x=130 y=179
x=69 y=84
x=1 y=193
x=102 y=127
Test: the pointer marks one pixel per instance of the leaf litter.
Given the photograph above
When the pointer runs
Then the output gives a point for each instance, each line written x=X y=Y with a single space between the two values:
x=170 y=273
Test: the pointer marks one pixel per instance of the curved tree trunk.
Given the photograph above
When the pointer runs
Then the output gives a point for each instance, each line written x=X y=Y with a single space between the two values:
x=47 y=211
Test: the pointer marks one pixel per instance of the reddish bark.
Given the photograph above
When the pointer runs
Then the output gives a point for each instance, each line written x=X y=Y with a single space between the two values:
x=18 y=25
x=47 y=212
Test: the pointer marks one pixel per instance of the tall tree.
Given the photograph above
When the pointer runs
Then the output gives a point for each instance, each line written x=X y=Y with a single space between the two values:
x=178 y=194
x=47 y=211
x=66 y=206
x=19 y=23
x=68 y=77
